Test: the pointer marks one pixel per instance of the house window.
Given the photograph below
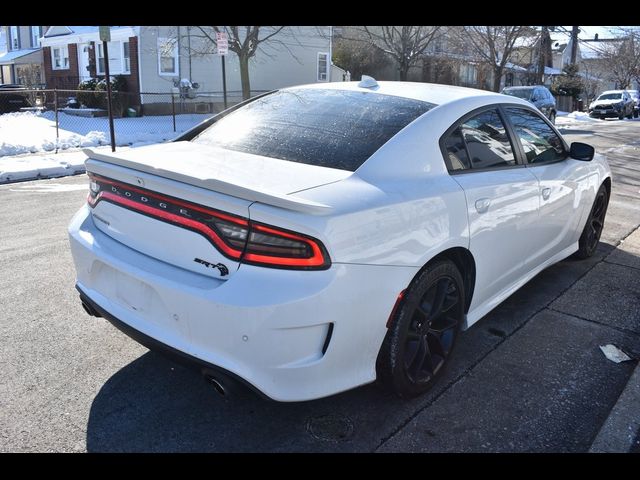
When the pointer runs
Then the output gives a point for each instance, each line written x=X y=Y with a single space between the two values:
x=60 y=58
x=508 y=80
x=167 y=56
x=119 y=59
x=14 y=38
x=36 y=33
x=323 y=67
x=126 y=57
x=468 y=74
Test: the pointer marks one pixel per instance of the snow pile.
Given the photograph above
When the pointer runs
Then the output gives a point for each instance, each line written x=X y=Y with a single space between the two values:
x=31 y=132
x=581 y=117
x=565 y=119
x=41 y=166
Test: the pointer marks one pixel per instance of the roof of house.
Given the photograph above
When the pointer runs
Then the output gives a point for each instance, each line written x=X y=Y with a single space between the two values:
x=62 y=35
x=10 y=57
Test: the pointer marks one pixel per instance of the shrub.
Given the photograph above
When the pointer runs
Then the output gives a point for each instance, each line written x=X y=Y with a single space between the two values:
x=87 y=97
x=119 y=100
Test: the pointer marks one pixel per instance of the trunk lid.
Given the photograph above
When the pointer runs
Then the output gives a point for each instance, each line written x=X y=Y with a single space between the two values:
x=160 y=200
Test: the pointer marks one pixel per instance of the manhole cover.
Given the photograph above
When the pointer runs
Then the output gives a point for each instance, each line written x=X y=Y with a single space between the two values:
x=330 y=427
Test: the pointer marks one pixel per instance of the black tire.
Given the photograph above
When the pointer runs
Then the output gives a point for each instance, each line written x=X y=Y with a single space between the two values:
x=621 y=116
x=635 y=114
x=630 y=116
x=423 y=332
x=595 y=223
x=552 y=117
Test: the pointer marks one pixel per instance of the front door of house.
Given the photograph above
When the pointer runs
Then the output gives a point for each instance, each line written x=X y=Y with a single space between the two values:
x=83 y=61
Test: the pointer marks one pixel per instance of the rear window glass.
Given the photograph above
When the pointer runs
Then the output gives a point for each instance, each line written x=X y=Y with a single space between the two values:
x=524 y=93
x=330 y=128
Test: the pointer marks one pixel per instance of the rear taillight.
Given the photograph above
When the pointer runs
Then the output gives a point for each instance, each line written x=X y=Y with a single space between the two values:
x=235 y=237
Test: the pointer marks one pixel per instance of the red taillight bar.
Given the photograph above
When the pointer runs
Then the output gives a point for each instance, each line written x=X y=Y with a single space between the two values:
x=318 y=260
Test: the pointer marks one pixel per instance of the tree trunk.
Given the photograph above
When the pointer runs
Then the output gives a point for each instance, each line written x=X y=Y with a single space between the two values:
x=244 y=76
x=497 y=78
x=404 y=70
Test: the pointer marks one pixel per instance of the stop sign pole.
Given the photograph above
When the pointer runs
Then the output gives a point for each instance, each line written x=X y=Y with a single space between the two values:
x=105 y=36
x=223 y=49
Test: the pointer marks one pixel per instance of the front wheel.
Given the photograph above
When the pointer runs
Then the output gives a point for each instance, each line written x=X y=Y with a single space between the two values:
x=423 y=332
x=595 y=223
x=552 y=117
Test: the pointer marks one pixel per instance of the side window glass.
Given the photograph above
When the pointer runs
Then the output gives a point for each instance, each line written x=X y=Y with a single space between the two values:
x=540 y=143
x=456 y=152
x=487 y=141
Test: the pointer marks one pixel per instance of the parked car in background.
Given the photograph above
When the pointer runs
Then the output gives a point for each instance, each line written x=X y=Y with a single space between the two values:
x=13 y=97
x=318 y=238
x=539 y=95
x=635 y=96
x=612 y=103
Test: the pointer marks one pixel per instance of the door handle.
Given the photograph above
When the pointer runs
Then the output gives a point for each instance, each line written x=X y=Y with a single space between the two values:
x=546 y=192
x=482 y=204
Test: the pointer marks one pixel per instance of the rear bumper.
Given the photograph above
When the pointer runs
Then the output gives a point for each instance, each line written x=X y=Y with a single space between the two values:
x=166 y=350
x=291 y=335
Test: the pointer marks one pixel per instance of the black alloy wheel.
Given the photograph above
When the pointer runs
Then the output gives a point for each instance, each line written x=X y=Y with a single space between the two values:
x=594 y=226
x=423 y=333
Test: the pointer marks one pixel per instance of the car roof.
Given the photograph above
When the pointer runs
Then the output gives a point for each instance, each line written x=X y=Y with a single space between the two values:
x=427 y=92
x=524 y=87
x=612 y=91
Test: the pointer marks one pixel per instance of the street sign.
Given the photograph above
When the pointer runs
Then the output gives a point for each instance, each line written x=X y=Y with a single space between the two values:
x=105 y=33
x=222 y=43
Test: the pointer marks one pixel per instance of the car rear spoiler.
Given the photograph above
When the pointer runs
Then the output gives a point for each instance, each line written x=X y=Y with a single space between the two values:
x=288 y=202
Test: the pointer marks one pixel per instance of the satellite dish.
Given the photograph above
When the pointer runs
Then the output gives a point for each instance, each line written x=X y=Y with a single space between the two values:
x=368 y=82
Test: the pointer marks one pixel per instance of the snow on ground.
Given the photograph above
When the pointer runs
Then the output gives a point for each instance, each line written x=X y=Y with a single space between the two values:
x=48 y=165
x=28 y=140
x=31 y=132
x=566 y=118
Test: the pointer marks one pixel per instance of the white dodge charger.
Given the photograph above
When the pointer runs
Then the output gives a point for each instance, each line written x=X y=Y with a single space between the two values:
x=321 y=237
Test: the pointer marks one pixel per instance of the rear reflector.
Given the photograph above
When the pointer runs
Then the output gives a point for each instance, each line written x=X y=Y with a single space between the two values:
x=235 y=237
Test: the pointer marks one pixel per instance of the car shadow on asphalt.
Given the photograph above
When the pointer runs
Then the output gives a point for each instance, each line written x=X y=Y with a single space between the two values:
x=155 y=405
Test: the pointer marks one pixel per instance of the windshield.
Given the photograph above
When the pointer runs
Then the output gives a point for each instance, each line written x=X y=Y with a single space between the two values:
x=330 y=128
x=610 y=96
x=524 y=93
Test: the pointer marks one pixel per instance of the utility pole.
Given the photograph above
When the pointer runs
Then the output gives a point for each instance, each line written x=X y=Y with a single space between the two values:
x=542 y=53
x=574 y=44
x=105 y=36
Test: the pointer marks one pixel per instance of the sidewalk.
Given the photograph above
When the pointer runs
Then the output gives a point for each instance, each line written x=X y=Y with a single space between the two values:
x=621 y=431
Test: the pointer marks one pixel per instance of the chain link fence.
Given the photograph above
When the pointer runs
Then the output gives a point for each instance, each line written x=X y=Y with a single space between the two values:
x=53 y=120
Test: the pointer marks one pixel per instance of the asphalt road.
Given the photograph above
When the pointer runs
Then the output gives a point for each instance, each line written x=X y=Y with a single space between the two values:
x=527 y=377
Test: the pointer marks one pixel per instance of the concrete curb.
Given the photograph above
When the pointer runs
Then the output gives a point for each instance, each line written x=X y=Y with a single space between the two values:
x=623 y=423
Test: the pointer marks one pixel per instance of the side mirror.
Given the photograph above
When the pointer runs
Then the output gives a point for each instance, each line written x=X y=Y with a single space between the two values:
x=582 y=151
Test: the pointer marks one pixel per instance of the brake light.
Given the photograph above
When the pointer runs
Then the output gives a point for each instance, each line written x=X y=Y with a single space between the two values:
x=235 y=237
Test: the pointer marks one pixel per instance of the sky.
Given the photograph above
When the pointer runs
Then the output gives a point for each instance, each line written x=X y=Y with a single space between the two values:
x=588 y=32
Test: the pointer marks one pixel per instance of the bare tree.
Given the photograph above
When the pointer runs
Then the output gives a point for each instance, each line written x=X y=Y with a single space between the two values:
x=244 y=42
x=404 y=44
x=621 y=60
x=493 y=46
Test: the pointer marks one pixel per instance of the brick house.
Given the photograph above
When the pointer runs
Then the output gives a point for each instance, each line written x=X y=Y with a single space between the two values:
x=73 y=54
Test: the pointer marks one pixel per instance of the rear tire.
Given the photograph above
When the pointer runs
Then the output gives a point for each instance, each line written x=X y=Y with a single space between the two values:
x=590 y=237
x=552 y=117
x=423 y=332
